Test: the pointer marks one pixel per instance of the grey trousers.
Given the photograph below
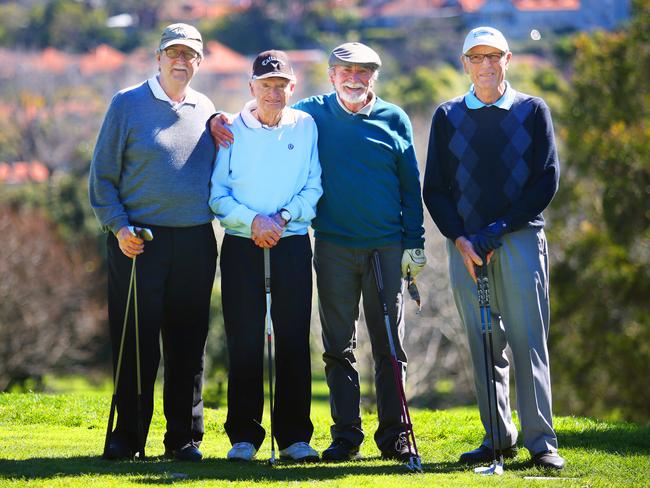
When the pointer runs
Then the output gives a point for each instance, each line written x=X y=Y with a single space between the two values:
x=519 y=298
x=343 y=274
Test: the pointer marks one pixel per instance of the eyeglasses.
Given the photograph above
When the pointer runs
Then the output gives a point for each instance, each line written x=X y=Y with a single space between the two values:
x=478 y=58
x=174 y=53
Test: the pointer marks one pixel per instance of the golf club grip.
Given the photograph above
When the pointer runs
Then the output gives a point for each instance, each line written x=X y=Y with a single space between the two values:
x=267 y=269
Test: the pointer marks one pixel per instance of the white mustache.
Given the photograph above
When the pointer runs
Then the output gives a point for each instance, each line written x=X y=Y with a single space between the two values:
x=354 y=85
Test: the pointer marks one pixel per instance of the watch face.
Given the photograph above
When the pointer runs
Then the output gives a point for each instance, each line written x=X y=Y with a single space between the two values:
x=285 y=215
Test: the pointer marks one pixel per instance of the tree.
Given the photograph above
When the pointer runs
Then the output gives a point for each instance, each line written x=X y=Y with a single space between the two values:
x=600 y=345
x=51 y=292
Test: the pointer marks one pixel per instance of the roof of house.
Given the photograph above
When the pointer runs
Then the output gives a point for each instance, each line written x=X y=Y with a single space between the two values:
x=222 y=59
x=101 y=60
x=526 y=5
x=23 y=172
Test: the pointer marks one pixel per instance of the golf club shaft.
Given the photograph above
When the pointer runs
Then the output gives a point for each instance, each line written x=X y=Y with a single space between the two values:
x=488 y=358
x=140 y=427
x=116 y=379
x=269 y=342
x=397 y=374
x=493 y=369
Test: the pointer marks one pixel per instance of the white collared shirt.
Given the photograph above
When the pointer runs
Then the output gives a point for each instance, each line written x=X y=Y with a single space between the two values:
x=191 y=97
x=365 y=110
x=288 y=117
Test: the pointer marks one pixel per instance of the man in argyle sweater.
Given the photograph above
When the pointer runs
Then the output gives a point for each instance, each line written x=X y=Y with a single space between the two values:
x=492 y=168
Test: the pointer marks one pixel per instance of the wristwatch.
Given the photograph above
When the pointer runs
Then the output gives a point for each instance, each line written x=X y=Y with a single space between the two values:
x=286 y=215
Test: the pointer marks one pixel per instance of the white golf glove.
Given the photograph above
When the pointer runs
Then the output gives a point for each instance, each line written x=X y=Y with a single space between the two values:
x=413 y=260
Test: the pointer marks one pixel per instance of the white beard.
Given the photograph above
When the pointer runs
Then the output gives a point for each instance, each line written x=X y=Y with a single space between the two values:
x=351 y=98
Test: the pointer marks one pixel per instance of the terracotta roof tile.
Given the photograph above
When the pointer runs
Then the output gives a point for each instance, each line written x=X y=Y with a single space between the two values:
x=23 y=172
x=471 y=5
x=222 y=59
x=547 y=4
x=101 y=60
x=53 y=60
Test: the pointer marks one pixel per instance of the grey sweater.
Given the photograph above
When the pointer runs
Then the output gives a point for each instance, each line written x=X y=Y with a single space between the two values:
x=152 y=163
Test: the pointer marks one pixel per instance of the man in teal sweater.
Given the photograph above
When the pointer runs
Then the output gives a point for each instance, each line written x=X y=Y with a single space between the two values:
x=371 y=200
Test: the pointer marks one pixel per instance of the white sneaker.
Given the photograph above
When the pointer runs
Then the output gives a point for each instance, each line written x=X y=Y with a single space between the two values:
x=300 y=452
x=241 y=451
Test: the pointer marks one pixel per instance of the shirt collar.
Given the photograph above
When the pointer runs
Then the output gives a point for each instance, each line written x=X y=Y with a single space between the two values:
x=365 y=110
x=191 y=97
x=505 y=102
x=288 y=117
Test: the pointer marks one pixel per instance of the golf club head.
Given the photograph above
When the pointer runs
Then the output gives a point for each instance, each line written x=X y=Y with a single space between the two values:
x=414 y=293
x=141 y=232
x=414 y=464
x=494 y=469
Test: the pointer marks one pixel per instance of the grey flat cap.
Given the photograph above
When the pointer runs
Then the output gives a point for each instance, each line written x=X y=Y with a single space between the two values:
x=184 y=34
x=354 y=53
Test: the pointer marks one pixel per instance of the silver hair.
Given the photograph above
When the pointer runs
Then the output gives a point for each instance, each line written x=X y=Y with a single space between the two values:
x=375 y=73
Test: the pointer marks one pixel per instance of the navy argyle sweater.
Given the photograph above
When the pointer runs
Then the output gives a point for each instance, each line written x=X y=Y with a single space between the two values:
x=488 y=164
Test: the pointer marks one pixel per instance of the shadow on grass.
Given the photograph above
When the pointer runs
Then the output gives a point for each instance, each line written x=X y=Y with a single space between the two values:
x=157 y=470
x=612 y=438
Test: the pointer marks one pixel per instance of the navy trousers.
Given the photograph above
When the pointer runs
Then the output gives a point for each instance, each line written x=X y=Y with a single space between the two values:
x=244 y=309
x=175 y=275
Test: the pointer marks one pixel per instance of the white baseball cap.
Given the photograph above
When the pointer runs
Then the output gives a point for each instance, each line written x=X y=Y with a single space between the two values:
x=485 y=36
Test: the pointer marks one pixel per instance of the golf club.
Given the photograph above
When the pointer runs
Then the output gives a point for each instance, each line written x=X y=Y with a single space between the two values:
x=414 y=463
x=483 y=287
x=147 y=235
x=414 y=293
x=269 y=343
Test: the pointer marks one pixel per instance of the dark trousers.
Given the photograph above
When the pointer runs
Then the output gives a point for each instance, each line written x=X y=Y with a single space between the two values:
x=343 y=274
x=175 y=275
x=244 y=309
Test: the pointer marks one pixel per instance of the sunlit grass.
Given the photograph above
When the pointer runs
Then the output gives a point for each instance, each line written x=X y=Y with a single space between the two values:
x=56 y=440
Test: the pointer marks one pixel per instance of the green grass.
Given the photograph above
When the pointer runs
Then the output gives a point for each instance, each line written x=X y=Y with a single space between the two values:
x=56 y=440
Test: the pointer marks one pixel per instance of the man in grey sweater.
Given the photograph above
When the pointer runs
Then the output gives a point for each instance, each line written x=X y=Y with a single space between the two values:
x=151 y=168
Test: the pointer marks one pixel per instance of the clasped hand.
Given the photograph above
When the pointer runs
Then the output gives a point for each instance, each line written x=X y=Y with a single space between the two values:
x=266 y=231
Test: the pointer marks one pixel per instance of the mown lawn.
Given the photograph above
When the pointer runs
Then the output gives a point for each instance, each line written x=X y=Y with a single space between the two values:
x=56 y=440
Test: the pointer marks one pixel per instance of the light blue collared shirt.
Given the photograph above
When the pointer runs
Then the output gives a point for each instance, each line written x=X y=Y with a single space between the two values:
x=505 y=102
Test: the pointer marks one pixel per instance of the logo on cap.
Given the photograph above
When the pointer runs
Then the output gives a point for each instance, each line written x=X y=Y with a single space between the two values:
x=483 y=33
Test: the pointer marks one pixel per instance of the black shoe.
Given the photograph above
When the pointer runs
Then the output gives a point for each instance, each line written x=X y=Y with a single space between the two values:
x=117 y=448
x=397 y=449
x=189 y=452
x=483 y=454
x=549 y=460
x=341 y=450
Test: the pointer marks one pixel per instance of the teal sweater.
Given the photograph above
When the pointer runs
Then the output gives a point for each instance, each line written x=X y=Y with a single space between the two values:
x=371 y=183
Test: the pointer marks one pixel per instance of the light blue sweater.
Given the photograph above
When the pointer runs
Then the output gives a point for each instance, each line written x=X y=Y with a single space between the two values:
x=267 y=170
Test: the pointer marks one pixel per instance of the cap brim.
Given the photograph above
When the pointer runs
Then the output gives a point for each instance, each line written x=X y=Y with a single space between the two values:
x=488 y=43
x=274 y=74
x=366 y=64
x=195 y=45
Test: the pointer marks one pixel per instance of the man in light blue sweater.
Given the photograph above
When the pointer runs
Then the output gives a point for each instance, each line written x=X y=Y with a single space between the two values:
x=151 y=168
x=371 y=200
x=264 y=191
